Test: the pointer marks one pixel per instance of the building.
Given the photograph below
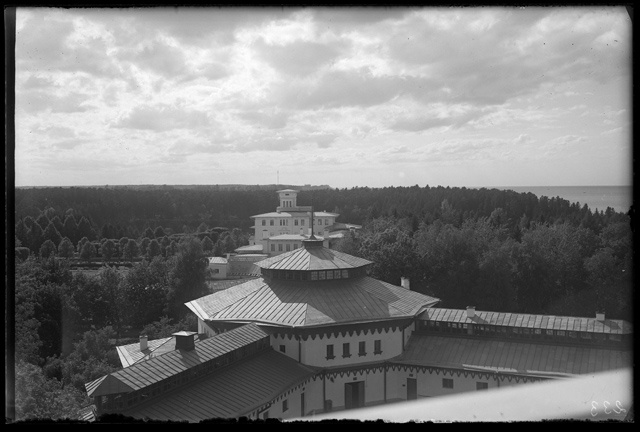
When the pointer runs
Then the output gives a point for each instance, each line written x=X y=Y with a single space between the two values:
x=285 y=229
x=315 y=333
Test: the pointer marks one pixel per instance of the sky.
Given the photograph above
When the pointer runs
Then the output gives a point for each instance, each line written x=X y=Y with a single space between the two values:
x=347 y=97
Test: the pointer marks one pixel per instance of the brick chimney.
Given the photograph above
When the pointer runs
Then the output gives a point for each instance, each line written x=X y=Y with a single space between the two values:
x=600 y=316
x=471 y=311
x=185 y=340
x=404 y=283
x=143 y=342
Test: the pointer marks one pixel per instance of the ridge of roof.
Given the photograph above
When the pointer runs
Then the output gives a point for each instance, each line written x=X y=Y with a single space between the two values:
x=143 y=374
x=289 y=303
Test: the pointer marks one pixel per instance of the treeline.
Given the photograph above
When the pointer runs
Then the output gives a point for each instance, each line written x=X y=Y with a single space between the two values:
x=128 y=211
x=546 y=268
x=67 y=324
x=78 y=237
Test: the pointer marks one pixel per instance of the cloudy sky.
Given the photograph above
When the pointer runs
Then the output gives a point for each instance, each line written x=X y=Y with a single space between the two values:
x=346 y=97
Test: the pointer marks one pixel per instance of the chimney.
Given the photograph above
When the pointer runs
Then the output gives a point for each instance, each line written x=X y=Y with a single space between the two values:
x=600 y=316
x=228 y=254
x=143 y=342
x=471 y=311
x=185 y=340
x=404 y=283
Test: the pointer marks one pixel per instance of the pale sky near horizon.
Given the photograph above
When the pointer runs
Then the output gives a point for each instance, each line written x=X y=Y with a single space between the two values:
x=346 y=97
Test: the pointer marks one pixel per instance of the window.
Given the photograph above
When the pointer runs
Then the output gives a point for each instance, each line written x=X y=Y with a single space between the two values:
x=295 y=246
x=345 y=274
x=216 y=271
x=271 y=222
x=319 y=221
x=314 y=275
x=362 y=348
x=264 y=222
x=377 y=346
x=301 y=221
x=280 y=247
x=273 y=247
x=288 y=247
x=345 y=350
x=447 y=383
x=329 y=274
x=285 y=405
x=283 y=349
x=560 y=333
x=330 y=352
x=295 y=222
x=321 y=275
x=480 y=385
x=326 y=222
x=337 y=274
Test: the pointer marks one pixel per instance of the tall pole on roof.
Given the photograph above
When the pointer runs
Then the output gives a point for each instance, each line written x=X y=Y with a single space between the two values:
x=312 y=236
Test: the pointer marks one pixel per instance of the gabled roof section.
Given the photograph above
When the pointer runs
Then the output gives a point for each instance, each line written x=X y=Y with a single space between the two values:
x=533 y=321
x=156 y=369
x=131 y=353
x=512 y=357
x=234 y=392
x=303 y=303
x=312 y=259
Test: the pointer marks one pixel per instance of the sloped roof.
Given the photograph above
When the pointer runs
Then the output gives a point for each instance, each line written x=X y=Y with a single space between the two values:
x=521 y=358
x=131 y=353
x=312 y=259
x=230 y=393
x=156 y=369
x=298 y=214
x=305 y=303
x=217 y=260
x=249 y=248
x=544 y=322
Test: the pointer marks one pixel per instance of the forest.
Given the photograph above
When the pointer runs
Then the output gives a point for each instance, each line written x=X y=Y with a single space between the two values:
x=497 y=250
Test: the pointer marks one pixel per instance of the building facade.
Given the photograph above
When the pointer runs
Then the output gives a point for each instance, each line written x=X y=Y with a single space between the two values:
x=315 y=333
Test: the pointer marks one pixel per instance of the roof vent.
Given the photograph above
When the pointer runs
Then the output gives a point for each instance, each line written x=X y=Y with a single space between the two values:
x=600 y=316
x=404 y=283
x=471 y=311
x=185 y=340
x=144 y=342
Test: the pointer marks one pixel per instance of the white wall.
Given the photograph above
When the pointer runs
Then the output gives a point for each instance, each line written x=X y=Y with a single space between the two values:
x=291 y=346
x=314 y=351
x=430 y=384
x=373 y=387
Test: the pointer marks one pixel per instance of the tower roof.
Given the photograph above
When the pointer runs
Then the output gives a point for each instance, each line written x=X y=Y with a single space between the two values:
x=312 y=258
x=285 y=303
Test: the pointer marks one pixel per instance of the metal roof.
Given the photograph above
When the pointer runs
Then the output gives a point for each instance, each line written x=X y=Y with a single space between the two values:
x=230 y=393
x=156 y=369
x=217 y=260
x=305 y=303
x=296 y=214
x=250 y=248
x=131 y=353
x=522 y=358
x=312 y=259
x=547 y=322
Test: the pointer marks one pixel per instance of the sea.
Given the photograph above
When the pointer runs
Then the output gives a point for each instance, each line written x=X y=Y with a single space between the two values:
x=619 y=198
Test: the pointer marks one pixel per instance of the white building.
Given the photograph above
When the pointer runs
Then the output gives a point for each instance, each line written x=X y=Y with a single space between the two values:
x=290 y=224
x=315 y=334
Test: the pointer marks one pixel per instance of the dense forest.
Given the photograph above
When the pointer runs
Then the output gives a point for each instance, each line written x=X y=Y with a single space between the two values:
x=497 y=250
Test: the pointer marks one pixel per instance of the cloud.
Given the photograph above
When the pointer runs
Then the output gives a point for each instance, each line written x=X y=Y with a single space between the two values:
x=299 y=58
x=162 y=118
x=269 y=118
x=39 y=101
x=157 y=57
x=359 y=88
